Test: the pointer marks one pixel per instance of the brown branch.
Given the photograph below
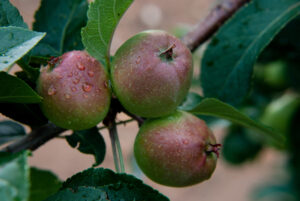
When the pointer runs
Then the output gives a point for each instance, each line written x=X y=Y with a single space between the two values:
x=34 y=139
x=211 y=23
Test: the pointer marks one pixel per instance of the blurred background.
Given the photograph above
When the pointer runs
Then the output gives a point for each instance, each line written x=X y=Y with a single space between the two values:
x=238 y=177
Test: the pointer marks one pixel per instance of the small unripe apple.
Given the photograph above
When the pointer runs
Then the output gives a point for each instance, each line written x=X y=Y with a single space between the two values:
x=177 y=150
x=278 y=114
x=151 y=73
x=75 y=91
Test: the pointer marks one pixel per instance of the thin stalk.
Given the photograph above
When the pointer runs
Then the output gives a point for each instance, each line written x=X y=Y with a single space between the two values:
x=118 y=123
x=114 y=149
x=119 y=149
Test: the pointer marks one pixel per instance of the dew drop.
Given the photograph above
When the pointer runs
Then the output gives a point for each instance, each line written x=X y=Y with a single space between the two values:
x=76 y=73
x=105 y=84
x=51 y=90
x=138 y=60
x=59 y=76
x=80 y=66
x=87 y=87
x=67 y=96
x=76 y=80
x=185 y=141
x=91 y=73
x=70 y=74
x=73 y=89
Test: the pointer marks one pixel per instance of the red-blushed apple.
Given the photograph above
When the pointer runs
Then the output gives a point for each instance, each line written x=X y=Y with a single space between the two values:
x=178 y=150
x=151 y=73
x=75 y=91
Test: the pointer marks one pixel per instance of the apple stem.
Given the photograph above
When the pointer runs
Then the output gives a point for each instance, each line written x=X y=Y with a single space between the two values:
x=168 y=53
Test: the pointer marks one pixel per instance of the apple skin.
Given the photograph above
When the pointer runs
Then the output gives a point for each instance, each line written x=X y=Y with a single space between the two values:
x=151 y=73
x=178 y=150
x=75 y=91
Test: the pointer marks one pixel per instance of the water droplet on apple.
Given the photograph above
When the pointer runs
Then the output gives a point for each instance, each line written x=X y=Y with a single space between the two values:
x=87 y=87
x=67 y=96
x=91 y=73
x=51 y=90
x=73 y=89
x=76 y=80
x=138 y=60
x=80 y=66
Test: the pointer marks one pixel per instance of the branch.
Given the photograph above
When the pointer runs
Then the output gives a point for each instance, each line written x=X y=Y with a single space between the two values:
x=139 y=119
x=35 y=138
x=212 y=23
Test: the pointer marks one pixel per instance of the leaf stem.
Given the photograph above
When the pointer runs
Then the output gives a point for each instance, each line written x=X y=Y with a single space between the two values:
x=116 y=148
x=119 y=149
x=118 y=123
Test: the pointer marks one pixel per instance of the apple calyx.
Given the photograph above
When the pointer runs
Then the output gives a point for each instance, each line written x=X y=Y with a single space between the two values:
x=213 y=148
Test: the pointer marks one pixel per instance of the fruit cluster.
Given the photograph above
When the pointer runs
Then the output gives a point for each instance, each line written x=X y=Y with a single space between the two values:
x=150 y=75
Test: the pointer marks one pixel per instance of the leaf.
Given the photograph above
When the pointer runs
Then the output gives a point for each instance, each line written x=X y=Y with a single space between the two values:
x=229 y=58
x=16 y=173
x=29 y=114
x=285 y=46
x=216 y=108
x=81 y=194
x=10 y=130
x=6 y=157
x=117 y=186
x=43 y=184
x=15 y=90
x=192 y=100
x=7 y=191
x=103 y=17
x=62 y=20
x=15 y=42
x=10 y=16
x=90 y=142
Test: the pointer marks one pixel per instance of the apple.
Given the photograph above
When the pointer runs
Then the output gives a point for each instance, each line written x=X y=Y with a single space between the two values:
x=178 y=150
x=151 y=73
x=75 y=91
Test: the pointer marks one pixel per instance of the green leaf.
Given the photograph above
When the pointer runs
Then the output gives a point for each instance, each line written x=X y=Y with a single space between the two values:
x=103 y=17
x=29 y=114
x=240 y=145
x=16 y=173
x=117 y=186
x=7 y=191
x=15 y=42
x=192 y=100
x=228 y=61
x=10 y=16
x=216 y=108
x=6 y=157
x=90 y=142
x=10 y=130
x=43 y=184
x=62 y=20
x=15 y=90
x=81 y=194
